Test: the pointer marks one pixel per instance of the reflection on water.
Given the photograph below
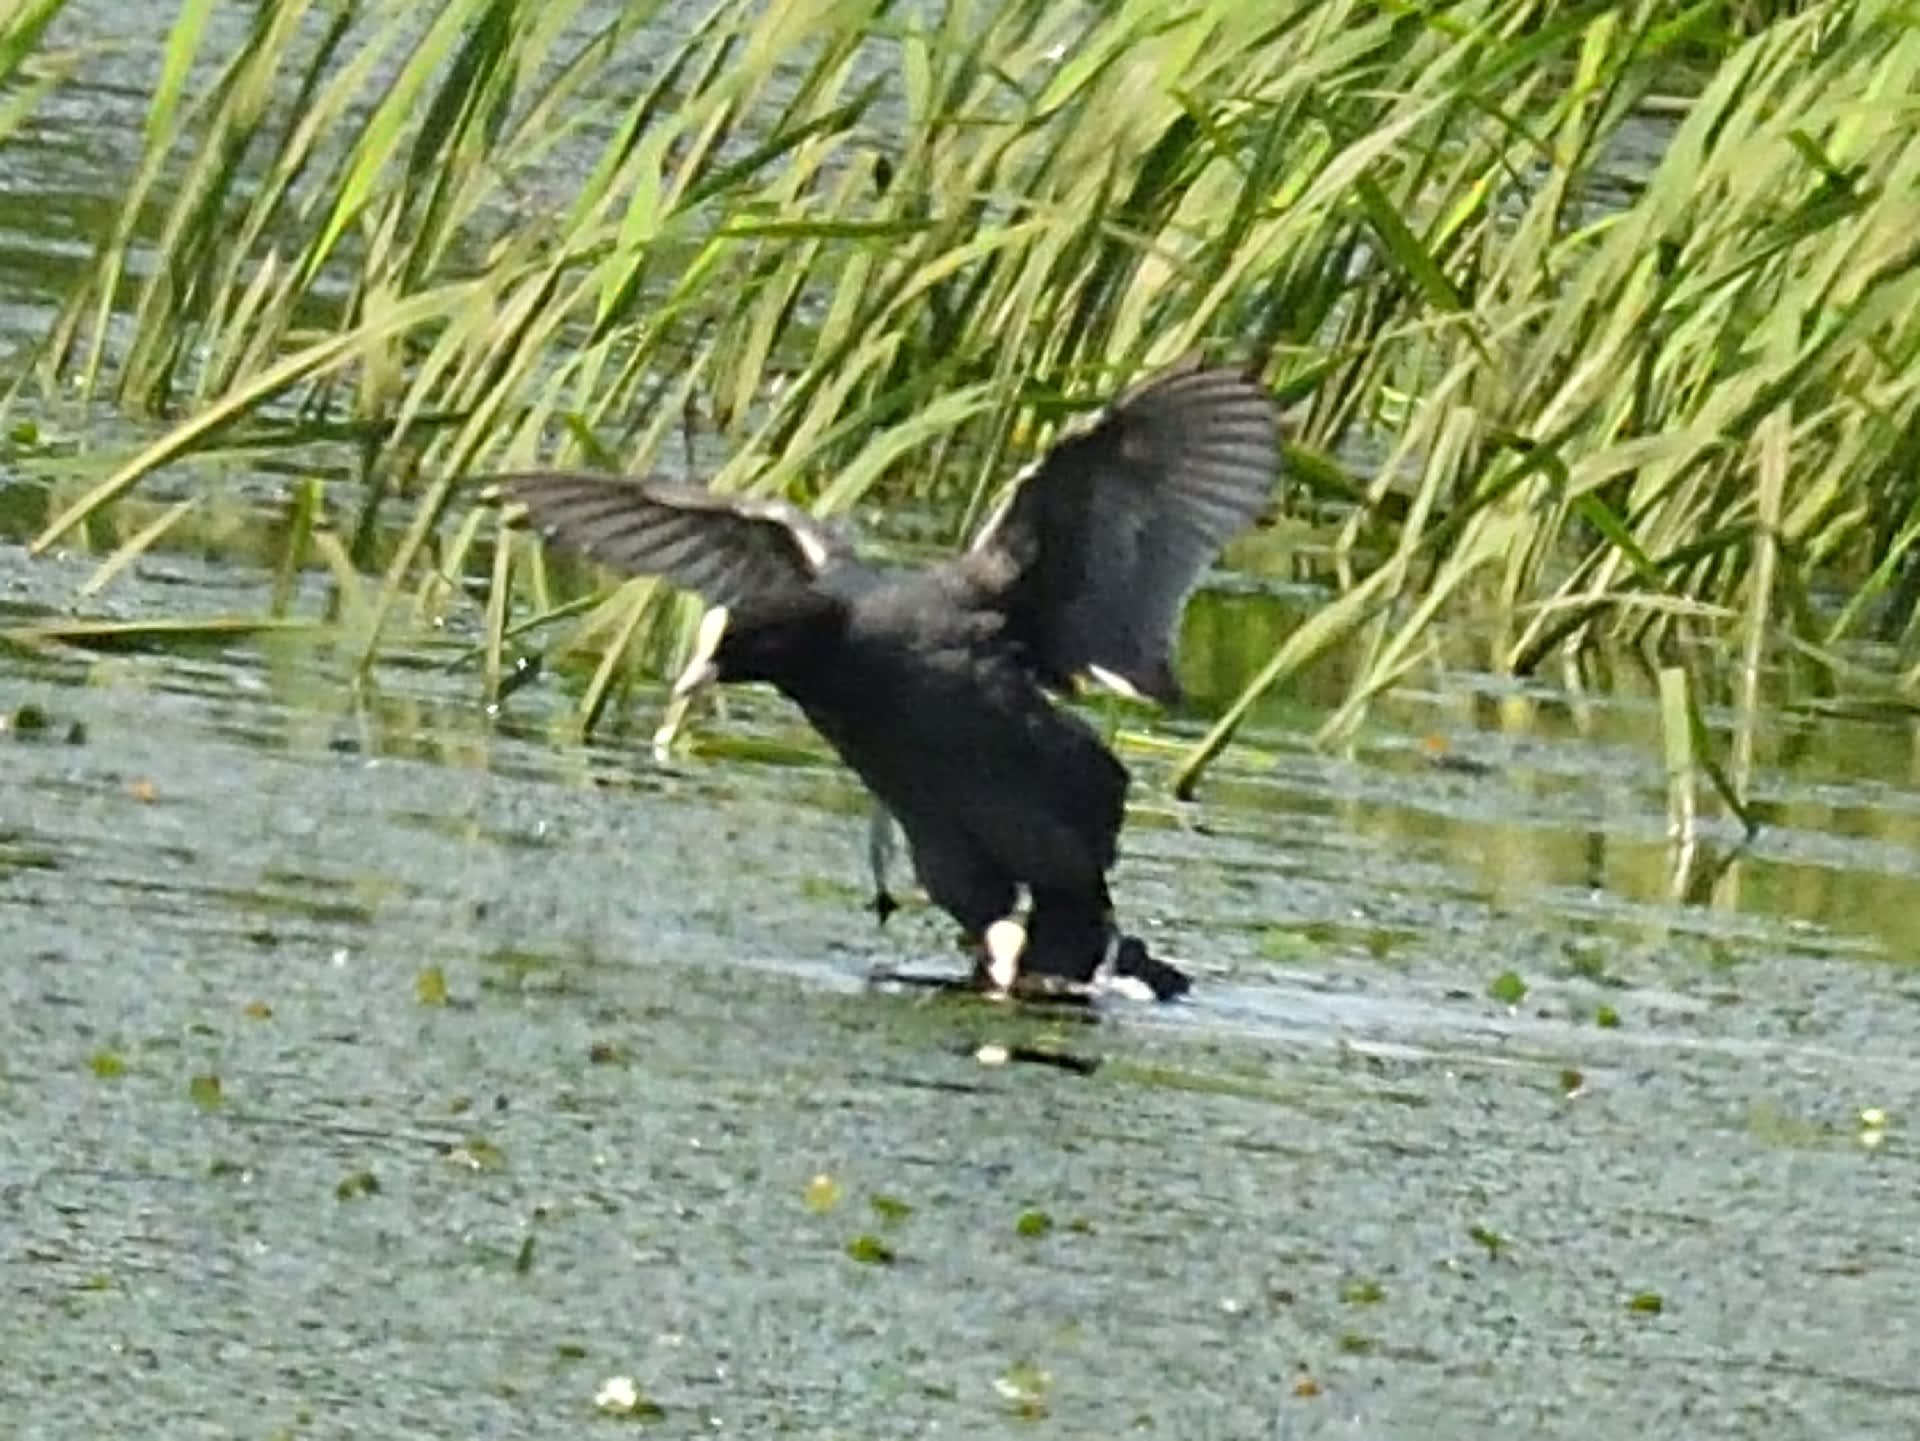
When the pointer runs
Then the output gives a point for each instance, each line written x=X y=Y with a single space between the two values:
x=1527 y=791
x=1526 y=795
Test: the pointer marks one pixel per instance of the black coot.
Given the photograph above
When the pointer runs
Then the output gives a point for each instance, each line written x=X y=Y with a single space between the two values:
x=929 y=683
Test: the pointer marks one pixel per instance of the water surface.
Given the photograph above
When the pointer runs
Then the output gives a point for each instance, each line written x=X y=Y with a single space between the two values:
x=531 y=1058
x=374 y=1066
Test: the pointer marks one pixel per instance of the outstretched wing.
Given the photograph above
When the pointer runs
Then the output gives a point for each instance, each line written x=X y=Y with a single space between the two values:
x=1096 y=550
x=735 y=551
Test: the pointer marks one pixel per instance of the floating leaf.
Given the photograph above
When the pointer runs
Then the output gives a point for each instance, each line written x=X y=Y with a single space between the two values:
x=1646 y=1303
x=890 y=1209
x=1033 y=1223
x=1507 y=988
x=870 y=1250
x=108 y=1065
x=477 y=1153
x=356 y=1185
x=1024 y=1386
x=622 y=1396
x=430 y=987
x=1606 y=1017
x=205 y=1092
x=1287 y=947
x=822 y=1194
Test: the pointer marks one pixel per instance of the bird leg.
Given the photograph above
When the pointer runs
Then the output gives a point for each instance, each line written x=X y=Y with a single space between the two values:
x=880 y=852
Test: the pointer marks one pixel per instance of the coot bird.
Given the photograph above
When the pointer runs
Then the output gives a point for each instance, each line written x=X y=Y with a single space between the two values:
x=931 y=683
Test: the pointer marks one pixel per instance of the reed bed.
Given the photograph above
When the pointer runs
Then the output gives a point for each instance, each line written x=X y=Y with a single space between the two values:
x=870 y=254
x=27 y=71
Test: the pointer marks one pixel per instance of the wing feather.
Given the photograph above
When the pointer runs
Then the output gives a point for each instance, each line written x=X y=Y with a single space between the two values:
x=1097 y=548
x=742 y=552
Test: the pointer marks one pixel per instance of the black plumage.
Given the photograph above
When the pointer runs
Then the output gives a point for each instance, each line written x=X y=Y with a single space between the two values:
x=929 y=683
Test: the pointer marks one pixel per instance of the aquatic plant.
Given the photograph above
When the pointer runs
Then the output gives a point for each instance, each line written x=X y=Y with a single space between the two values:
x=853 y=250
x=26 y=73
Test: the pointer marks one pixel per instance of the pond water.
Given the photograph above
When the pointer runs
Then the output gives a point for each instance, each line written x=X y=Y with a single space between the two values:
x=375 y=1066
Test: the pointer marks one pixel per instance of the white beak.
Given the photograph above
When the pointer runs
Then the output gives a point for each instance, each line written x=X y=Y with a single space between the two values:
x=701 y=670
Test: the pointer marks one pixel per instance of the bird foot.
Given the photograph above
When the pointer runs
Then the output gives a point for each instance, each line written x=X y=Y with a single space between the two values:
x=1132 y=970
x=1128 y=969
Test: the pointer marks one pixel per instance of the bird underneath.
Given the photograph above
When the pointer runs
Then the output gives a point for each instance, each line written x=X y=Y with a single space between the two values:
x=932 y=683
